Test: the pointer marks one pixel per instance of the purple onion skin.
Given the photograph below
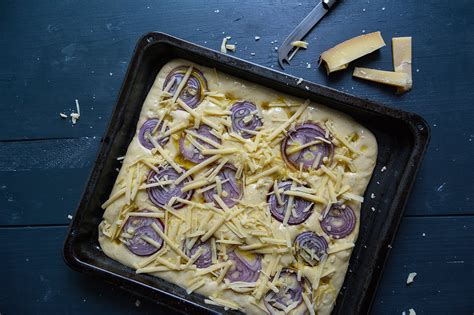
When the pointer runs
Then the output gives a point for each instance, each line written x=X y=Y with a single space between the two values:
x=205 y=260
x=293 y=294
x=193 y=92
x=339 y=222
x=243 y=270
x=278 y=212
x=148 y=127
x=141 y=226
x=303 y=134
x=232 y=187
x=160 y=196
x=239 y=111
x=190 y=152
x=313 y=242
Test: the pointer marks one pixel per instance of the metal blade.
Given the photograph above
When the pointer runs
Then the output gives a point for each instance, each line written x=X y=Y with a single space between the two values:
x=302 y=29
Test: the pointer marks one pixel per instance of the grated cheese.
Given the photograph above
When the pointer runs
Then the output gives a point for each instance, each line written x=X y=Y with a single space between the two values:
x=293 y=118
x=267 y=172
x=306 y=196
x=195 y=286
x=169 y=242
x=197 y=168
x=182 y=84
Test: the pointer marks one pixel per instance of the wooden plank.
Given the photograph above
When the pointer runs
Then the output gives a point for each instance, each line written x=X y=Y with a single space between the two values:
x=41 y=181
x=37 y=281
x=442 y=261
x=74 y=61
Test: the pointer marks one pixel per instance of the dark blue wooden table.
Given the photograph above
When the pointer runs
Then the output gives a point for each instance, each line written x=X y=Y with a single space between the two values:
x=55 y=51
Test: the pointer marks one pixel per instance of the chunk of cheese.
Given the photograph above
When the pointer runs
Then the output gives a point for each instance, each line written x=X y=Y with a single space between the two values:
x=401 y=52
x=398 y=79
x=339 y=56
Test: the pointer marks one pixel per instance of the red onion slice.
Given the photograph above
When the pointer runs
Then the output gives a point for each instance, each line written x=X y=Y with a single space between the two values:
x=205 y=260
x=193 y=92
x=231 y=188
x=245 y=117
x=190 y=152
x=301 y=135
x=246 y=266
x=148 y=127
x=310 y=248
x=302 y=208
x=290 y=291
x=162 y=194
x=340 y=221
x=137 y=227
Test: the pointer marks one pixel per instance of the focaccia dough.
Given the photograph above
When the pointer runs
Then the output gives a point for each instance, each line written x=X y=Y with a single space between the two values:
x=274 y=109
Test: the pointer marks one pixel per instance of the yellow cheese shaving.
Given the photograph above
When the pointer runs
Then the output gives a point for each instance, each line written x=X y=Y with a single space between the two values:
x=218 y=186
x=354 y=48
x=332 y=193
x=175 y=129
x=193 y=113
x=351 y=196
x=329 y=172
x=205 y=139
x=214 y=228
x=163 y=153
x=398 y=79
x=285 y=125
x=210 y=269
x=153 y=269
x=308 y=304
x=223 y=272
x=182 y=84
x=197 y=168
x=194 y=184
x=267 y=172
x=219 y=151
x=301 y=147
x=195 y=286
x=306 y=196
x=221 y=302
x=169 y=242
x=113 y=198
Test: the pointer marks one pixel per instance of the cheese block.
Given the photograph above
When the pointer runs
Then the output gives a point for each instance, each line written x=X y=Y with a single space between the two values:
x=216 y=193
x=339 y=56
x=402 y=58
x=398 y=79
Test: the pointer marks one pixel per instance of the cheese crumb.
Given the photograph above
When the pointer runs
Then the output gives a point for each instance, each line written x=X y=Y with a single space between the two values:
x=411 y=312
x=299 y=81
x=257 y=38
x=300 y=44
x=383 y=169
x=69 y=217
x=230 y=47
x=372 y=196
x=63 y=115
x=411 y=277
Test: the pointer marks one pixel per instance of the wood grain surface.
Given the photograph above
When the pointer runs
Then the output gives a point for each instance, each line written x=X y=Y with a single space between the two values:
x=56 y=51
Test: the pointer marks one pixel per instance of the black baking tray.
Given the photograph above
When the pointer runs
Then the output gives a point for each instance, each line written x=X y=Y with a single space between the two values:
x=402 y=140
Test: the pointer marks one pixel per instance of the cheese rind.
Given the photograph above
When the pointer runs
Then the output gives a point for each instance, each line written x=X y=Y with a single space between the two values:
x=340 y=55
